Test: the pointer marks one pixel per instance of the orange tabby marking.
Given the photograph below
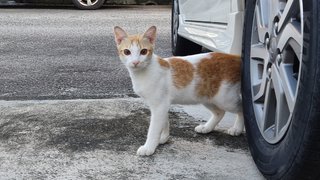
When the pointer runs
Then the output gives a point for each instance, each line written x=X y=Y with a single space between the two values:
x=182 y=72
x=163 y=63
x=212 y=71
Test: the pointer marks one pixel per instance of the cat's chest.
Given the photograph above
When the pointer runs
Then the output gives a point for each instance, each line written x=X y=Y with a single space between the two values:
x=140 y=91
x=149 y=87
x=143 y=88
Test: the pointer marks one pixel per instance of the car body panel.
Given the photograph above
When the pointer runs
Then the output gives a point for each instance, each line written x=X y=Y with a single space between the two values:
x=215 y=24
x=202 y=12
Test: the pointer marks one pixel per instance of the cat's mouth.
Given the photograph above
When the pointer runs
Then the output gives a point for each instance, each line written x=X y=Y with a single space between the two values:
x=137 y=66
x=133 y=66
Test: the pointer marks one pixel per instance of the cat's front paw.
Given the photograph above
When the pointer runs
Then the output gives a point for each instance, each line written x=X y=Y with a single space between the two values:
x=145 y=151
x=234 y=131
x=203 y=129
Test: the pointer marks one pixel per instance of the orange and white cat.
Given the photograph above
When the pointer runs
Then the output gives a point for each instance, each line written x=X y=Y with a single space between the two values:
x=211 y=79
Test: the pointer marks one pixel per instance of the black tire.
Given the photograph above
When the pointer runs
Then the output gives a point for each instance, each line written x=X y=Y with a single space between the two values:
x=297 y=154
x=81 y=4
x=180 y=46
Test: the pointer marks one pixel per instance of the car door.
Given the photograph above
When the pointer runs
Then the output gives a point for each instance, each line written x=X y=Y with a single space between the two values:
x=209 y=11
x=214 y=24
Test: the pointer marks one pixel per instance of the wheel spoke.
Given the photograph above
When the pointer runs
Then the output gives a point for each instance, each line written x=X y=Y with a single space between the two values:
x=291 y=8
x=274 y=11
x=260 y=58
x=269 y=108
x=289 y=84
x=276 y=81
x=262 y=12
x=260 y=88
x=259 y=51
x=89 y=2
x=292 y=31
x=261 y=18
x=282 y=105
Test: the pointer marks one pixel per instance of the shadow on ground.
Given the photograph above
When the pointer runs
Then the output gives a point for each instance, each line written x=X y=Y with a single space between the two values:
x=88 y=134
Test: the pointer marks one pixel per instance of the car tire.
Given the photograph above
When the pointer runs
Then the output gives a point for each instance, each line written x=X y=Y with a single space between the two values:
x=180 y=46
x=88 y=4
x=295 y=154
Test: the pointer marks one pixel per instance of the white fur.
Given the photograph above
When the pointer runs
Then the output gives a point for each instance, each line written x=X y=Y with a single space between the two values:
x=193 y=58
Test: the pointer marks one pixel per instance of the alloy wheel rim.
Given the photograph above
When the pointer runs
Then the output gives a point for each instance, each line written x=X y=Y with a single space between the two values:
x=275 y=58
x=88 y=2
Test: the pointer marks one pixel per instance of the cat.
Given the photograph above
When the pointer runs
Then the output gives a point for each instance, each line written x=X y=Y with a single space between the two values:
x=211 y=79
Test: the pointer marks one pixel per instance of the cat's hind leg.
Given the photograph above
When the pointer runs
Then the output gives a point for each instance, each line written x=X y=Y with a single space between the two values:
x=217 y=115
x=238 y=126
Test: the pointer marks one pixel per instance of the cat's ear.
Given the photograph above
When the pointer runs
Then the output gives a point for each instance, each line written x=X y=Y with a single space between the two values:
x=150 y=34
x=119 y=34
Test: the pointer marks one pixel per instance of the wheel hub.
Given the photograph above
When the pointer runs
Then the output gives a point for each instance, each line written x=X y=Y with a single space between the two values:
x=272 y=44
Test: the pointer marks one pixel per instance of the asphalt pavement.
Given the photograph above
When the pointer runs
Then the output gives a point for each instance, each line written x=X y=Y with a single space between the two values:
x=65 y=53
x=98 y=139
x=67 y=109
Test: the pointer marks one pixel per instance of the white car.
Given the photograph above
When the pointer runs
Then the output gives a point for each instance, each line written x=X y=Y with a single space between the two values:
x=280 y=48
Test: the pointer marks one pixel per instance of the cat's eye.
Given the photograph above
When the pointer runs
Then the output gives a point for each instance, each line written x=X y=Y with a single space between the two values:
x=143 y=51
x=126 y=52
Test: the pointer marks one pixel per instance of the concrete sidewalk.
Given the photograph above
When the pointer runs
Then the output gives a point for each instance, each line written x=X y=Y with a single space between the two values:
x=98 y=139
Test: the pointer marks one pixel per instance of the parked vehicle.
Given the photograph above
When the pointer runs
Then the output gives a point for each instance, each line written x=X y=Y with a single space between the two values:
x=90 y=4
x=279 y=43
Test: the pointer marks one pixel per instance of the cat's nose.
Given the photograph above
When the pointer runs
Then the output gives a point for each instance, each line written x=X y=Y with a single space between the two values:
x=135 y=63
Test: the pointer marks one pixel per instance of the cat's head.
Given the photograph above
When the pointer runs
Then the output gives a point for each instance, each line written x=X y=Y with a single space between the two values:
x=135 y=51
